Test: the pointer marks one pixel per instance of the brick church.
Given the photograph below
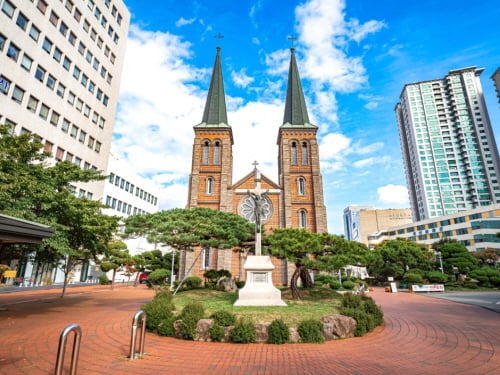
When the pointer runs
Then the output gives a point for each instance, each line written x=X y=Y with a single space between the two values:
x=295 y=201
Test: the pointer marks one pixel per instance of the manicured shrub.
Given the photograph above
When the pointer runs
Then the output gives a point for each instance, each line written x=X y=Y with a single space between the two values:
x=103 y=279
x=311 y=330
x=348 y=284
x=166 y=326
x=437 y=277
x=364 y=310
x=278 y=332
x=216 y=332
x=243 y=332
x=190 y=315
x=158 y=310
x=413 y=277
x=192 y=282
x=158 y=277
x=240 y=284
x=323 y=279
x=223 y=318
x=334 y=284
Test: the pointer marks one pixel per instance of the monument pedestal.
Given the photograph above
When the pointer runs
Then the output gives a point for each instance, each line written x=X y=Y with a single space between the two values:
x=259 y=289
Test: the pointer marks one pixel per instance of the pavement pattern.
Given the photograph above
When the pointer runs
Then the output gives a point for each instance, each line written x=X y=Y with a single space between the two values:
x=421 y=335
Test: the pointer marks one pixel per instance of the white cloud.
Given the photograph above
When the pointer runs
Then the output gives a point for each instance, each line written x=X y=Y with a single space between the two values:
x=183 y=21
x=241 y=79
x=393 y=194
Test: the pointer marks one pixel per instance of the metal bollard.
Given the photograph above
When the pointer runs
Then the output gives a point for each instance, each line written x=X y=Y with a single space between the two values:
x=139 y=315
x=62 y=348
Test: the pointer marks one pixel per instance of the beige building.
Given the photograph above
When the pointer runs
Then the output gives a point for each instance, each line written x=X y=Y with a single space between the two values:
x=60 y=70
x=362 y=221
x=476 y=229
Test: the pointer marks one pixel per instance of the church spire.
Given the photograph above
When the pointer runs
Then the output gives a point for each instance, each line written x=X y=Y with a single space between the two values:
x=295 y=105
x=215 y=108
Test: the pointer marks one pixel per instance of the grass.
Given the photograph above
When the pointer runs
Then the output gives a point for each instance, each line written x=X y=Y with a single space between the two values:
x=314 y=304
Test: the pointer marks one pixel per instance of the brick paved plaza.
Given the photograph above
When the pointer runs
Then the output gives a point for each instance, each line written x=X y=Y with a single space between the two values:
x=421 y=336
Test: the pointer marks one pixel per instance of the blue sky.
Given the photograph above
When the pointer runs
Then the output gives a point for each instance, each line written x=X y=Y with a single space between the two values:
x=354 y=58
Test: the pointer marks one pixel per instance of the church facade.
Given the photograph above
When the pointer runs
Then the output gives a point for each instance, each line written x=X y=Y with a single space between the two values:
x=295 y=201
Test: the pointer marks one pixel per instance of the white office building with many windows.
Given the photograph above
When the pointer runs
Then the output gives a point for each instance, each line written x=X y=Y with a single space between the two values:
x=449 y=150
x=60 y=69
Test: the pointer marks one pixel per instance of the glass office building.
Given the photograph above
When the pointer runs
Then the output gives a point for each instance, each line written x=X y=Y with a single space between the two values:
x=449 y=150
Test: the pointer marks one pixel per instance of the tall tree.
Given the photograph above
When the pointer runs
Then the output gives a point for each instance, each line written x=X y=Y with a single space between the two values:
x=33 y=189
x=299 y=247
x=117 y=258
x=454 y=254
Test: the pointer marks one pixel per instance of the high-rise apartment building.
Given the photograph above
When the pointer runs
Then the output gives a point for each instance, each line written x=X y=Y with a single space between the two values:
x=60 y=69
x=449 y=150
x=362 y=221
x=496 y=80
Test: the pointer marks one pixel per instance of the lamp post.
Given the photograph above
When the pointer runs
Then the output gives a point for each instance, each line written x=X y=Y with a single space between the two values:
x=172 y=271
x=440 y=258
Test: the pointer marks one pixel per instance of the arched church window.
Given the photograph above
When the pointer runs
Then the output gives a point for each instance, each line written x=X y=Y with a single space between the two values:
x=302 y=219
x=305 y=154
x=206 y=152
x=210 y=186
x=301 y=186
x=294 y=153
x=206 y=259
x=217 y=153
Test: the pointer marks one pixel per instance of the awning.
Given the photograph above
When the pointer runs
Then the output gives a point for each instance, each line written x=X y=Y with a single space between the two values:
x=15 y=230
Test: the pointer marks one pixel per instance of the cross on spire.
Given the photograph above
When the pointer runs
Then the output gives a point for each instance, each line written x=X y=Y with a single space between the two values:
x=292 y=38
x=219 y=36
x=255 y=164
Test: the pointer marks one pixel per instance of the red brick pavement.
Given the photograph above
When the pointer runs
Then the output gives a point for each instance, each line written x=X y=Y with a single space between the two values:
x=421 y=336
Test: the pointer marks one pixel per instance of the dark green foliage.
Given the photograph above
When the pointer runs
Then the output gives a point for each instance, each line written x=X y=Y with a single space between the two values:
x=190 y=315
x=166 y=326
x=487 y=276
x=224 y=273
x=158 y=310
x=437 y=277
x=311 y=330
x=364 y=310
x=348 y=284
x=103 y=279
x=223 y=318
x=243 y=332
x=158 y=277
x=335 y=284
x=192 y=282
x=470 y=285
x=240 y=284
x=278 y=332
x=322 y=279
x=412 y=277
x=216 y=332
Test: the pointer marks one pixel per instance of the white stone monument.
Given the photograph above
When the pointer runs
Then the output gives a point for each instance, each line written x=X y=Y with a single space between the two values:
x=259 y=289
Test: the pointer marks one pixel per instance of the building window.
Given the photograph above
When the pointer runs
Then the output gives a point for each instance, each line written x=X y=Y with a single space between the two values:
x=22 y=21
x=59 y=154
x=4 y=84
x=301 y=186
x=60 y=89
x=63 y=29
x=13 y=51
x=8 y=8
x=206 y=260
x=294 y=153
x=54 y=18
x=206 y=152
x=66 y=63
x=18 y=94
x=71 y=98
x=210 y=186
x=77 y=15
x=51 y=81
x=217 y=153
x=42 y=6
x=305 y=154
x=26 y=62
x=32 y=104
x=54 y=118
x=57 y=55
x=72 y=38
x=302 y=219
x=74 y=131
x=48 y=147
x=65 y=125
x=34 y=33
x=82 y=136
x=2 y=42
x=44 y=111
x=47 y=45
x=40 y=73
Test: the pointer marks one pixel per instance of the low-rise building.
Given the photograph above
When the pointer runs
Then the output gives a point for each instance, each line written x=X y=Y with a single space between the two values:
x=476 y=229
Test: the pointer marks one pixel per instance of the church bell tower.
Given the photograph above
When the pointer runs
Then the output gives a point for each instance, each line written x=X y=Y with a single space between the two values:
x=298 y=162
x=212 y=160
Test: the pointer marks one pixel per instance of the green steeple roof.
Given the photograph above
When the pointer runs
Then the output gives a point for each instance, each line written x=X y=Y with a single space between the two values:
x=215 y=114
x=295 y=105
